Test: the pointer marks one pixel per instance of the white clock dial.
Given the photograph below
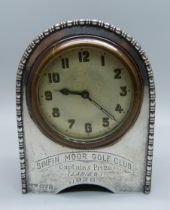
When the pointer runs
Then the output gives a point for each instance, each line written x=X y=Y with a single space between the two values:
x=85 y=92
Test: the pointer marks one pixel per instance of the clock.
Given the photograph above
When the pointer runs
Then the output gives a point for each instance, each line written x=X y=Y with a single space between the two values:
x=85 y=86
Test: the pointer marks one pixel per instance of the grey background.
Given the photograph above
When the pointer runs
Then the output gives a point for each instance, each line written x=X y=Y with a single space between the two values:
x=21 y=21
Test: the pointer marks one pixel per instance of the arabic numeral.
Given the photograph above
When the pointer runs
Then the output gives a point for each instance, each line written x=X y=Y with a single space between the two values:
x=56 y=112
x=65 y=63
x=53 y=77
x=123 y=90
x=71 y=123
x=119 y=108
x=103 y=60
x=88 y=127
x=105 y=122
x=117 y=72
x=84 y=56
x=48 y=95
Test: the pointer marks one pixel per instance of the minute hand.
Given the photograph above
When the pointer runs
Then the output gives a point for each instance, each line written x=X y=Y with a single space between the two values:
x=102 y=109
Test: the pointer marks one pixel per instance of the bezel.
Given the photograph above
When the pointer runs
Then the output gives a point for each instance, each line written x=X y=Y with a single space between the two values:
x=32 y=91
x=105 y=28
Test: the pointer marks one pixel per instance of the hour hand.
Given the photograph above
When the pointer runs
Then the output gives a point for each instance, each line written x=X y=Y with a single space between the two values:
x=66 y=91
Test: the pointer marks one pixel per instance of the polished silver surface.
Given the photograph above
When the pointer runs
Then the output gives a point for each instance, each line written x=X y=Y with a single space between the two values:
x=123 y=166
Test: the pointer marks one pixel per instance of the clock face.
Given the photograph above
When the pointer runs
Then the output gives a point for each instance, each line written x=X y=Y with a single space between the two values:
x=84 y=92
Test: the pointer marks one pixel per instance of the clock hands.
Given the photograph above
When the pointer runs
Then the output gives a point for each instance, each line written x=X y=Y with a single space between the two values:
x=85 y=94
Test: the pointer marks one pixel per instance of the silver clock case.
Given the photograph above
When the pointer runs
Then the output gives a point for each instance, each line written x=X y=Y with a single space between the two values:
x=122 y=167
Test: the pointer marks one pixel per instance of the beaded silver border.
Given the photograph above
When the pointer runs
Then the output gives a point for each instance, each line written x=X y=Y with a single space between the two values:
x=19 y=104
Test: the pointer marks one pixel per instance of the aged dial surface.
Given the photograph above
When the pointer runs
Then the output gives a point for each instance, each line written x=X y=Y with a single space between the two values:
x=84 y=92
